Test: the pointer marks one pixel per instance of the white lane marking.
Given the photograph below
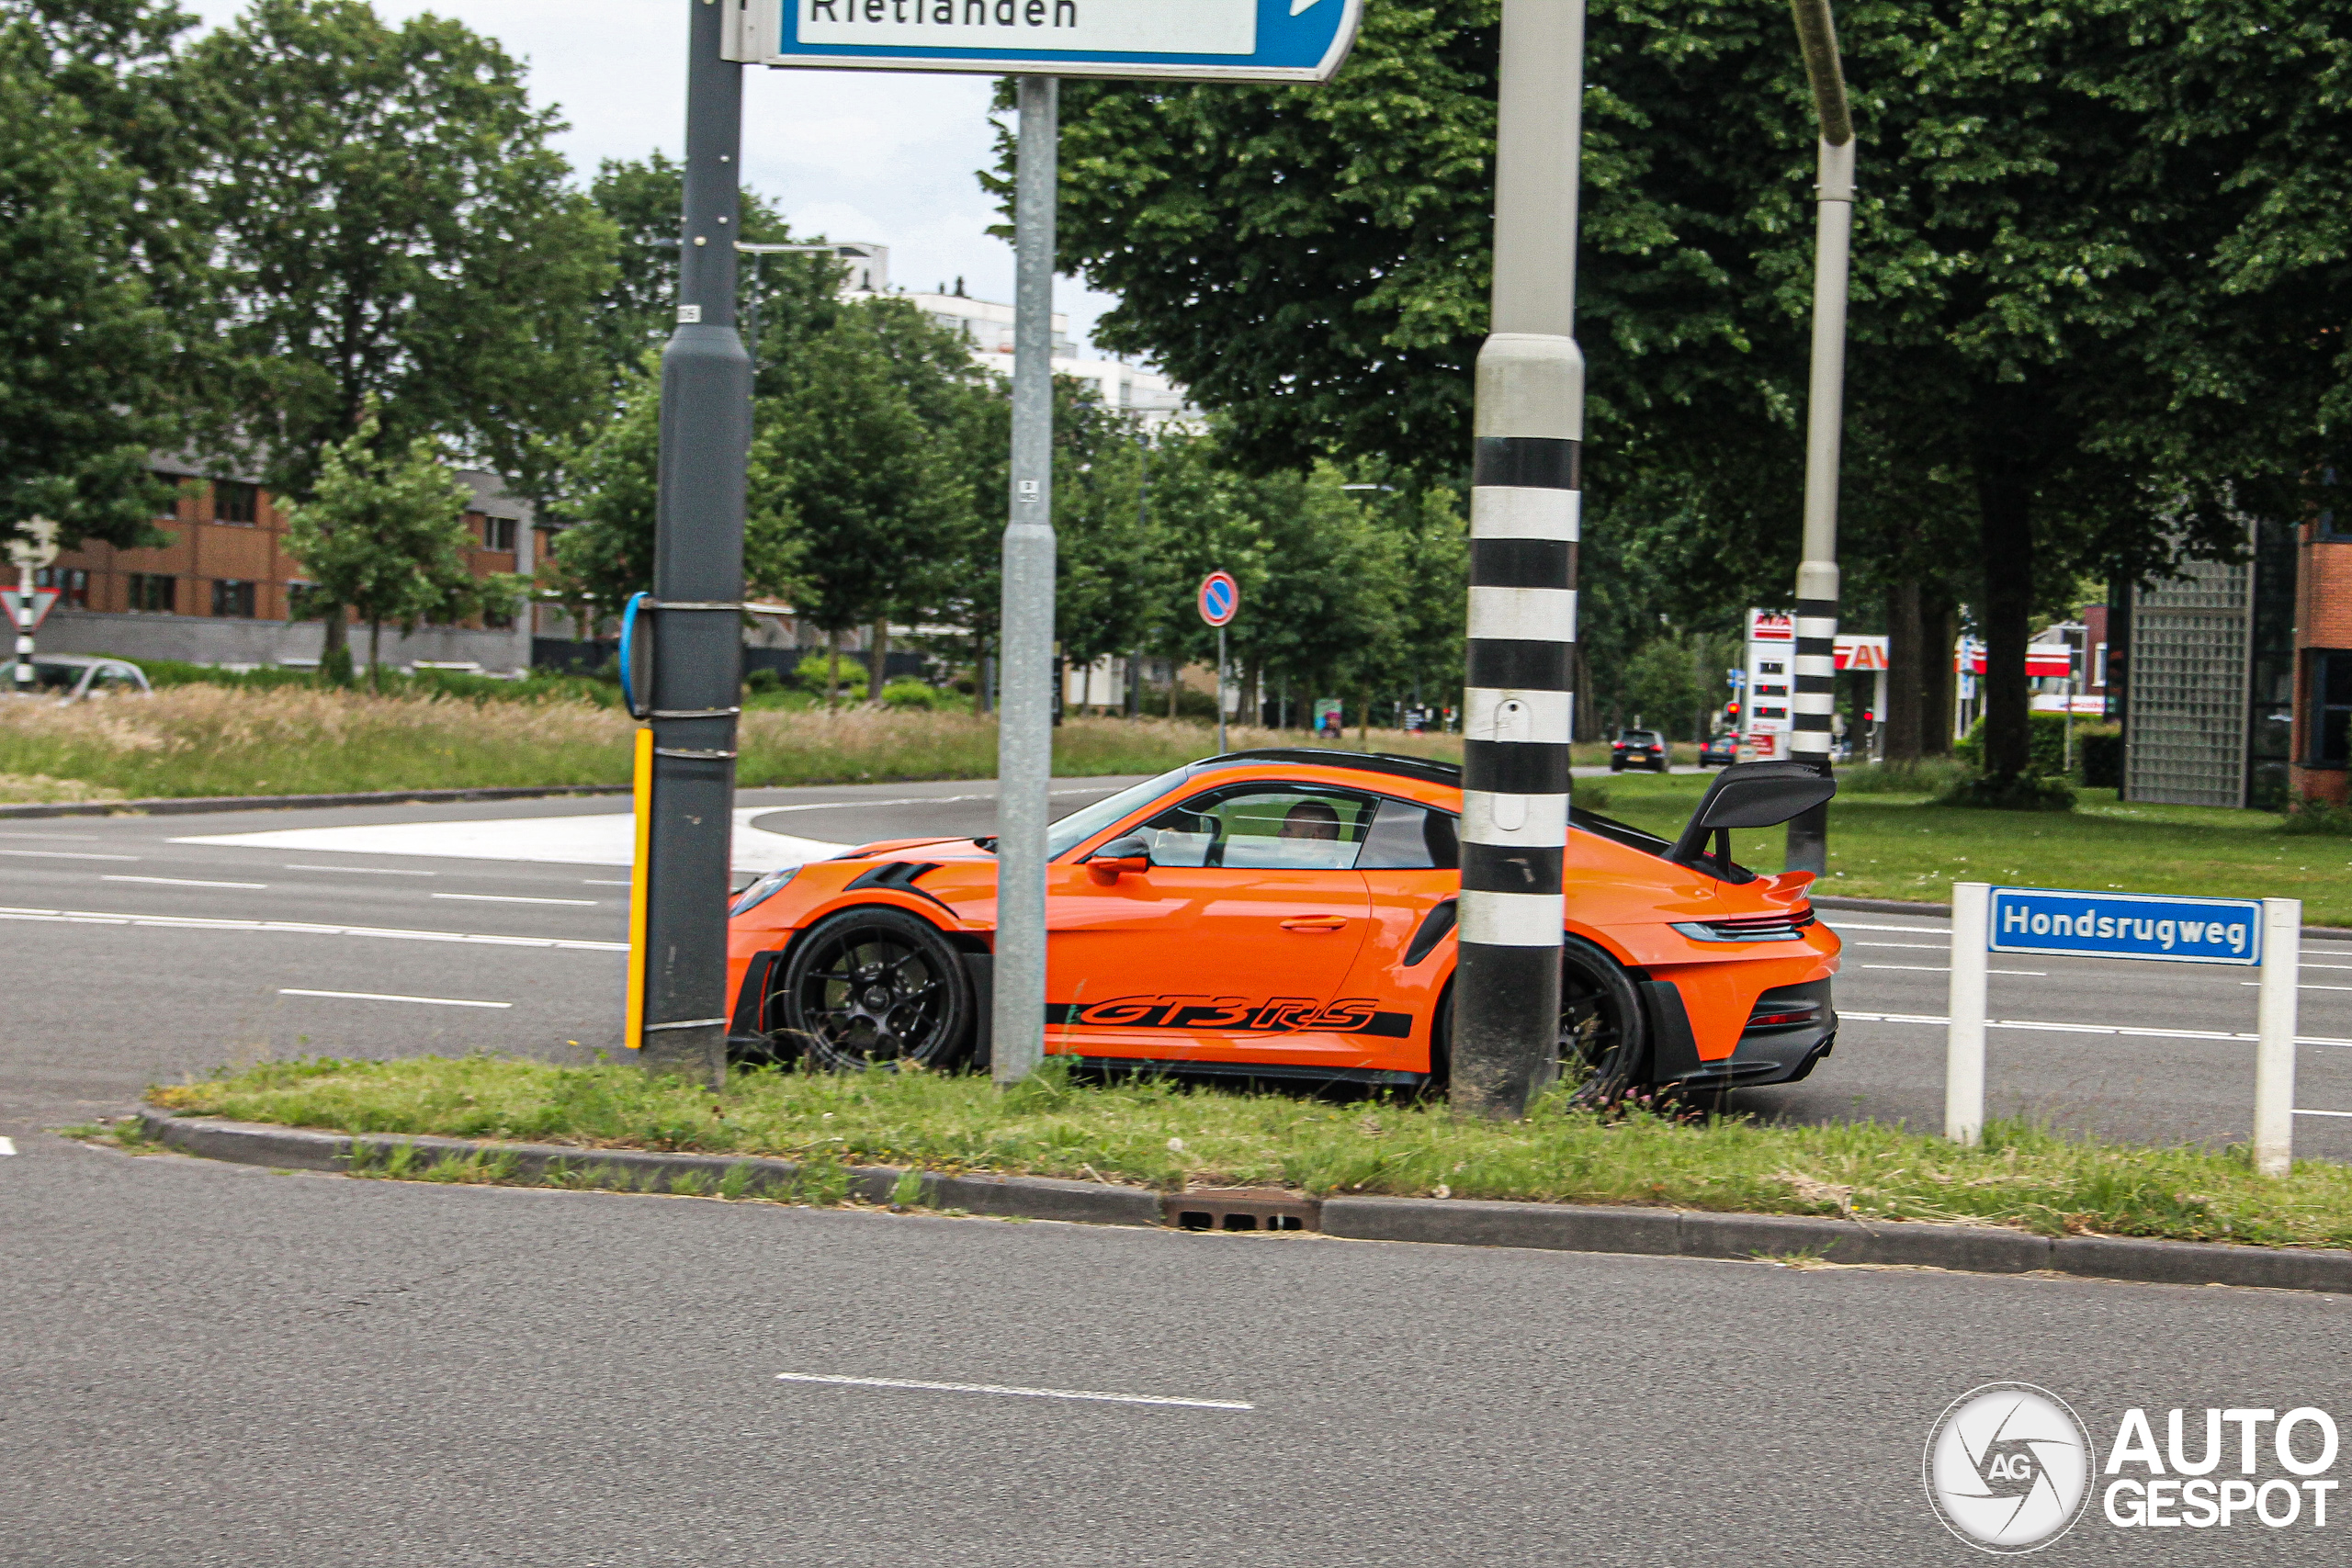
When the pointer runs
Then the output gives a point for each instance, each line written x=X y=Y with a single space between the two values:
x=176 y=881
x=1915 y=946
x=507 y=898
x=383 y=997
x=1908 y=931
x=2300 y=1112
x=1946 y=969
x=1019 y=1392
x=64 y=854
x=2306 y=964
x=56 y=838
x=605 y=882
x=606 y=838
x=364 y=870
x=2125 y=1032
x=2303 y=988
x=298 y=927
x=8 y=1145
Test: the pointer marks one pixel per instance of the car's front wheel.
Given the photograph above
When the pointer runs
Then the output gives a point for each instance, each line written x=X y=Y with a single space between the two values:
x=874 y=985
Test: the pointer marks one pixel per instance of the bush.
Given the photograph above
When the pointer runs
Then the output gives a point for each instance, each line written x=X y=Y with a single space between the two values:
x=2310 y=816
x=2047 y=741
x=2027 y=792
x=909 y=695
x=1929 y=775
x=764 y=681
x=811 y=676
x=2098 y=756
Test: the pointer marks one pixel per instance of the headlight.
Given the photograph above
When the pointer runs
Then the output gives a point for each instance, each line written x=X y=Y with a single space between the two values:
x=761 y=891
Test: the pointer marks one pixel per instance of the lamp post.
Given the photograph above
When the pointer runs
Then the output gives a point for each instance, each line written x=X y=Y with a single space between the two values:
x=1814 y=702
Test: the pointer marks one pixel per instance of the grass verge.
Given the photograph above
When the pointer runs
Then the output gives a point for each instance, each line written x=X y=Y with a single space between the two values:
x=1885 y=845
x=1163 y=1137
x=202 y=739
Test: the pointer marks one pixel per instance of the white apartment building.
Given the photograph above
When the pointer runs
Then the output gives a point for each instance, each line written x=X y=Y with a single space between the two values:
x=987 y=327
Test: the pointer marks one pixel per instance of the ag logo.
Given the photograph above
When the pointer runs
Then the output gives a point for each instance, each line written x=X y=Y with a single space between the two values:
x=2008 y=1468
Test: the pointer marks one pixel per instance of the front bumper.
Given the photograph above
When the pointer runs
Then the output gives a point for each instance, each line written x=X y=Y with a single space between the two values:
x=1773 y=1055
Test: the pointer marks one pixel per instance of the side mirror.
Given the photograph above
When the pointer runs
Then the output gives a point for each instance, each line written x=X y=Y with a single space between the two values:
x=1121 y=857
x=1750 y=794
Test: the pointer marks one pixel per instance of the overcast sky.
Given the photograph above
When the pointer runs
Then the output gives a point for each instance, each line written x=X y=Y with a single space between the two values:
x=848 y=154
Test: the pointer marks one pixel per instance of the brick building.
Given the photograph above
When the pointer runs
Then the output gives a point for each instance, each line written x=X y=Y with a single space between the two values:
x=2323 y=693
x=225 y=589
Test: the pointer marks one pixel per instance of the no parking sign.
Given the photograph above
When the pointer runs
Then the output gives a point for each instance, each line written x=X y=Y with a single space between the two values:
x=1220 y=598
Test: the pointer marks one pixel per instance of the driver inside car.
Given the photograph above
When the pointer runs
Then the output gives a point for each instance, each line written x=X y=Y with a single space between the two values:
x=1311 y=819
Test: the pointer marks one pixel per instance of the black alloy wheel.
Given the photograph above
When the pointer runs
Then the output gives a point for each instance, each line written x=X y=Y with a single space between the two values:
x=873 y=986
x=1604 y=1039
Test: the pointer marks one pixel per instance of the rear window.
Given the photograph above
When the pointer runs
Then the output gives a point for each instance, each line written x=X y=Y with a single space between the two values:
x=1638 y=737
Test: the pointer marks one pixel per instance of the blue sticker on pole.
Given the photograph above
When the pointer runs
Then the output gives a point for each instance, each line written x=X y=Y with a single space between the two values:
x=2125 y=925
x=1220 y=598
x=1195 y=40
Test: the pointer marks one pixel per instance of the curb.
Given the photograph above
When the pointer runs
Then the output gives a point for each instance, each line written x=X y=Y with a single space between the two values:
x=1454 y=1221
x=181 y=805
x=1943 y=911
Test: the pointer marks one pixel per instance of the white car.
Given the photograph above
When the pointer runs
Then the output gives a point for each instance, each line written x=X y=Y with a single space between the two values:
x=70 y=677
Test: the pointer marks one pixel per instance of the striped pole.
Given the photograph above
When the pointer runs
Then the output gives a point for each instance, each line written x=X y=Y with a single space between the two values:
x=1813 y=706
x=1523 y=517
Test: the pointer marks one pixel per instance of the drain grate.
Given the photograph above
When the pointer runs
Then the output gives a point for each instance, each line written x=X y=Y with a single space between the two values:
x=1242 y=1208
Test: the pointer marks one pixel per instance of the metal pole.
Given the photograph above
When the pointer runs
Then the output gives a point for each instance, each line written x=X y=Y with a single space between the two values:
x=1025 y=726
x=1220 y=690
x=2274 y=1053
x=698 y=588
x=1814 y=702
x=1964 y=1034
x=1522 y=626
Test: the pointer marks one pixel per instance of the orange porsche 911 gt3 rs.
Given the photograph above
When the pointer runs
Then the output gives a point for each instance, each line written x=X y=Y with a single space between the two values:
x=1290 y=914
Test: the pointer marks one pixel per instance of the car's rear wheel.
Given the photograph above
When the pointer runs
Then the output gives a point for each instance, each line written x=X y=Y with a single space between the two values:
x=874 y=985
x=1604 y=1037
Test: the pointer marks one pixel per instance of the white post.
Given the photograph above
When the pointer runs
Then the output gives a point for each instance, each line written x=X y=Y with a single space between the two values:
x=2274 y=1054
x=1964 y=1036
x=1877 y=708
x=24 y=628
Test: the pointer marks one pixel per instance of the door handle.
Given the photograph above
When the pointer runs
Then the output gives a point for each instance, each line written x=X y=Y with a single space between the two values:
x=1317 y=923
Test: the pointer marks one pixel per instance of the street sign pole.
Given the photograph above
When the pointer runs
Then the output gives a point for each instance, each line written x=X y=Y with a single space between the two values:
x=2274 y=1051
x=1220 y=692
x=1219 y=600
x=1517 y=705
x=36 y=549
x=1025 y=723
x=1814 y=702
x=697 y=607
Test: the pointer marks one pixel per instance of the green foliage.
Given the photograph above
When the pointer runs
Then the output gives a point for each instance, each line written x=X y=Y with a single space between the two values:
x=1159 y=1136
x=910 y=694
x=1676 y=682
x=2099 y=752
x=814 y=673
x=2048 y=751
x=85 y=353
x=391 y=223
x=2019 y=792
x=1927 y=777
x=385 y=538
x=2312 y=816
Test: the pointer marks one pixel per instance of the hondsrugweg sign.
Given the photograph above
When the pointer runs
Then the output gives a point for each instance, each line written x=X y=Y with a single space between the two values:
x=1250 y=41
x=2125 y=925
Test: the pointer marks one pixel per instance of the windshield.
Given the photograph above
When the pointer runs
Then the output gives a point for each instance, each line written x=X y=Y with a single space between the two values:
x=1088 y=820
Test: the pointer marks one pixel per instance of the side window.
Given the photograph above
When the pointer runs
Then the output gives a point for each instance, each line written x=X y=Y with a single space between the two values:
x=1405 y=837
x=1264 y=827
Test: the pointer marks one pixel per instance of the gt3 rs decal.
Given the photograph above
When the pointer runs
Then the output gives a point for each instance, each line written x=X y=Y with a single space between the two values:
x=1241 y=1015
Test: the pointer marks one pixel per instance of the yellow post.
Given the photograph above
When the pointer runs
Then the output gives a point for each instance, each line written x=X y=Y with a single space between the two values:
x=633 y=1026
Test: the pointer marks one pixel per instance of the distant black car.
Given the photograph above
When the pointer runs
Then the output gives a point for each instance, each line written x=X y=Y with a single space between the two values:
x=1720 y=751
x=1637 y=748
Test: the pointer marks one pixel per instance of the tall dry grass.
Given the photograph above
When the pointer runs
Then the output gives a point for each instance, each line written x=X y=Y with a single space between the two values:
x=193 y=740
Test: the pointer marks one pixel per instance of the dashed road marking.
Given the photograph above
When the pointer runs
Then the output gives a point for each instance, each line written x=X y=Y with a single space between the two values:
x=1932 y=1021
x=383 y=997
x=297 y=927
x=509 y=898
x=64 y=854
x=177 y=881
x=1017 y=1393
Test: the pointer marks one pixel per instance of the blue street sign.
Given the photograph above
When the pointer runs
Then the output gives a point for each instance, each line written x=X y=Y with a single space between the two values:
x=2125 y=925
x=1246 y=41
x=1220 y=598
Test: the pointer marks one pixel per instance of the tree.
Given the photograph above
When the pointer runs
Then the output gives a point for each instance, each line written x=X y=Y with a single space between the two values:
x=85 y=355
x=856 y=463
x=2037 y=317
x=384 y=538
x=393 y=224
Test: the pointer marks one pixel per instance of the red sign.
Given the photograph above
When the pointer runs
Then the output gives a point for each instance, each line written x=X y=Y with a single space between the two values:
x=1220 y=598
x=1771 y=625
x=45 y=599
x=2043 y=661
